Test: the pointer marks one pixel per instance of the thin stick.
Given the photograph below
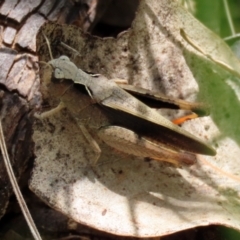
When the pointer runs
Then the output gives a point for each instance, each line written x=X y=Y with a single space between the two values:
x=231 y=37
x=229 y=17
x=15 y=187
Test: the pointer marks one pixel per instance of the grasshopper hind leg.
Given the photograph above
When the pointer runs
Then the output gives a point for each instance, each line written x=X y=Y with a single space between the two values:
x=129 y=142
x=94 y=145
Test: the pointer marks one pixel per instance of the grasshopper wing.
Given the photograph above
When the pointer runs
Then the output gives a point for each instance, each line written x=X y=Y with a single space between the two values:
x=132 y=113
x=158 y=100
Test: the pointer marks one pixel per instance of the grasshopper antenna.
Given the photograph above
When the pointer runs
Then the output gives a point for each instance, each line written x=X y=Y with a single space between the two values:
x=48 y=44
x=49 y=49
x=75 y=52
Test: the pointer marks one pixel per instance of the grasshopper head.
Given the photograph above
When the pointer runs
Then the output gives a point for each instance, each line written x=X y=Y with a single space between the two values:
x=63 y=68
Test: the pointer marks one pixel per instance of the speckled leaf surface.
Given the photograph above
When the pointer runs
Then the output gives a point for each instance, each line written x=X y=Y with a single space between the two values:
x=131 y=196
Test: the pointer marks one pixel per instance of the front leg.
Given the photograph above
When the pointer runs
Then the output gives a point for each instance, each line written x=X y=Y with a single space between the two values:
x=129 y=142
x=94 y=145
x=51 y=112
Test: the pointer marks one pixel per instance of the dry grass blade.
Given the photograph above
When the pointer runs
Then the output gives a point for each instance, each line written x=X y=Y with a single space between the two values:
x=16 y=189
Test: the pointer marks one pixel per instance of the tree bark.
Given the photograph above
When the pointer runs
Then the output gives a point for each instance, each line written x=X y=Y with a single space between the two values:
x=20 y=22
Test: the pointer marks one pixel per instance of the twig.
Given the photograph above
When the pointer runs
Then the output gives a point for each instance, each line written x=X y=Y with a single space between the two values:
x=229 y=17
x=15 y=187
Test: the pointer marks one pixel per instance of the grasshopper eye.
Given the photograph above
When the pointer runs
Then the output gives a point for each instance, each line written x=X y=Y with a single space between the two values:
x=58 y=73
x=64 y=58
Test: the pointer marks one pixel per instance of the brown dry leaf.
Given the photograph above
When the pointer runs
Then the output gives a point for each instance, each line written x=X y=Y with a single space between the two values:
x=125 y=195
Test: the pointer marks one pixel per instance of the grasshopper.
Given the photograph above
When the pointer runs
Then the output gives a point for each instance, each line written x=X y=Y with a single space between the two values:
x=122 y=121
